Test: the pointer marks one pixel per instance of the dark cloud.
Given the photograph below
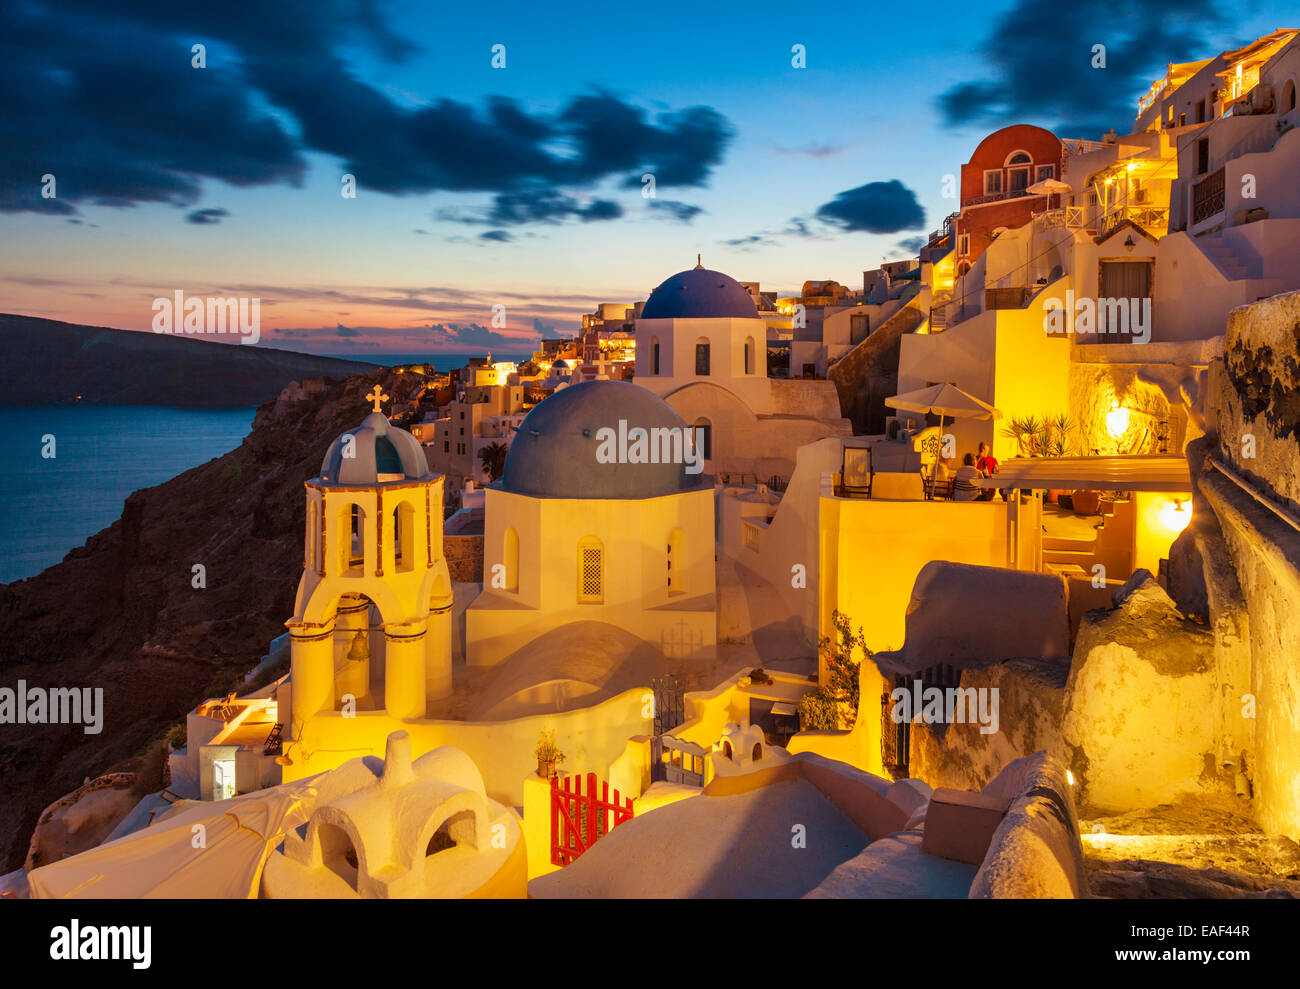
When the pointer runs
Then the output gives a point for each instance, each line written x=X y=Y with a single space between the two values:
x=107 y=102
x=673 y=209
x=911 y=245
x=210 y=215
x=347 y=331
x=1040 y=70
x=113 y=110
x=541 y=327
x=812 y=150
x=472 y=335
x=538 y=204
x=753 y=240
x=877 y=208
x=502 y=236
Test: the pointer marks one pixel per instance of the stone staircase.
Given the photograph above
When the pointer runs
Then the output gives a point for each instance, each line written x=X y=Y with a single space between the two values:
x=1225 y=258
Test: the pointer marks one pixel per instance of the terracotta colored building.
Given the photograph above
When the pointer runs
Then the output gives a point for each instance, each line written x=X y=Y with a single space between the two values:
x=993 y=185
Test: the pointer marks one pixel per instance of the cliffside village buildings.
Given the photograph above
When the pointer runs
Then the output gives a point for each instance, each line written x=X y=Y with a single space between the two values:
x=1115 y=317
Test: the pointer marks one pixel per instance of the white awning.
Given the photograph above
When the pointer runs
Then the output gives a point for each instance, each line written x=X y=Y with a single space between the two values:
x=1135 y=473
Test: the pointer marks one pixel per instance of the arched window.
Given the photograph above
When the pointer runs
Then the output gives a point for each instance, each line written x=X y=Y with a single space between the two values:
x=352 y=541
x=337 y=853
x=458 y=829
x=591 y=571
x=1288 y=97
x=654 y=355
x=677 y=562
x=510 y=559
x=749 y=355
x=757 y=752
x=1018 y=172
x=404 y=537
x=702 y=356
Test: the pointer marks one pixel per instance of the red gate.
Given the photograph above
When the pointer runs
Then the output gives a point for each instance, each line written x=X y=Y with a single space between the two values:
x=578 y=818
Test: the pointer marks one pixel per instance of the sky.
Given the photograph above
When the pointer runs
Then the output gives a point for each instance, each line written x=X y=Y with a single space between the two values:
x=518 y=184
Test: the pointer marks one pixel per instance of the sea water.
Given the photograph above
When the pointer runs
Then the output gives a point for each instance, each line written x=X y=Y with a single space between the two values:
x=50 y=505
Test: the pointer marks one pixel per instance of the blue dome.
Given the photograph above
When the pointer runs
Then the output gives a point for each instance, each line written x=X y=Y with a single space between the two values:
x=699 y=293
x=554 y=452
x=374 y=453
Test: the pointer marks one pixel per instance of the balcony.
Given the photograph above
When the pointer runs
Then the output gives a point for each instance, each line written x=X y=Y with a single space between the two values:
x=1153 y=219
x=1065 y=218
x=998 y=197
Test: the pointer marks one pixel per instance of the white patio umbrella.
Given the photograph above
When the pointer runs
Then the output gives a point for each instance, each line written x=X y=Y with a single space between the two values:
x=944 y=400
x=162 y=860
x=1050 y=187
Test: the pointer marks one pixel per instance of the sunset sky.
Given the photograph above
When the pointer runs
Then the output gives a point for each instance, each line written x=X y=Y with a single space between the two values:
x=520 y=185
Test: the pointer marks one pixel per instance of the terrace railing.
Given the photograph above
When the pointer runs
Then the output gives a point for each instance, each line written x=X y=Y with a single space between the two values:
x=1208 y=197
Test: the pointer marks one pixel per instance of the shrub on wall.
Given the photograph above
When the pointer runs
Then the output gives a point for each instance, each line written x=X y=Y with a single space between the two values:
x=842 y=666
x=817 y=712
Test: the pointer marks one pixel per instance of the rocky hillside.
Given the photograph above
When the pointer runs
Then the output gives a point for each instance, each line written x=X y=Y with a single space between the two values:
x=44 y=361
x=120 y=612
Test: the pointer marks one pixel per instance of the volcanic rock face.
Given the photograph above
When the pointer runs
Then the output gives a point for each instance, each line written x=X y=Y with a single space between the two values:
x=121 y=612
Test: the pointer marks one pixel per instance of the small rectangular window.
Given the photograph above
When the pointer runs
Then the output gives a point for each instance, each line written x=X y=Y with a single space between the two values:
x=655 y=359
x=590 y=576
x=992 y=182
x=1045 y=172
x=1202 y=156
x=702 y=358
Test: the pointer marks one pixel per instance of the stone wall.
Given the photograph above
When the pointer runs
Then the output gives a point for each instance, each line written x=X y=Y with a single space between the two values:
x=1254 y=396
x=868 y=374
x=464 y=558
x=1035 y=853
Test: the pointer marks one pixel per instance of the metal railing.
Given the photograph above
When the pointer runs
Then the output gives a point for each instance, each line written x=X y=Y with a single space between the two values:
x=997 y=197
x=1208 y=197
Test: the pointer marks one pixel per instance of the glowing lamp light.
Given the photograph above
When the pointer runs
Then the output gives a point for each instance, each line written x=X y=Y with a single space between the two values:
x=1069 y=777
x=1117 y=420
x=1175 y=515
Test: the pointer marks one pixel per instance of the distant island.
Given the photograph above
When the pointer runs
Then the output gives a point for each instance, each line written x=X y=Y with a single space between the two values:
x=47 y=362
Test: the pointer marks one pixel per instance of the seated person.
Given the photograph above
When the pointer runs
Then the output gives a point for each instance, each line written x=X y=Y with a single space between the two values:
x=964 y=487
x=985 y=461
x=987 y=464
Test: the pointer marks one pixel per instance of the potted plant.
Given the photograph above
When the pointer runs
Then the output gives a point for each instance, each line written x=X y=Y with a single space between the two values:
x=1051 y=436
x=548 y=754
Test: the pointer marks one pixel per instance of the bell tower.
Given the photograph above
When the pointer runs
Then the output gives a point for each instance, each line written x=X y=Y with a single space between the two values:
x=372 y=617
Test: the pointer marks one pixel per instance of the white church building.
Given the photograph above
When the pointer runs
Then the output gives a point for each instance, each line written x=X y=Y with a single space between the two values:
x=572 y=537
x=702 y=347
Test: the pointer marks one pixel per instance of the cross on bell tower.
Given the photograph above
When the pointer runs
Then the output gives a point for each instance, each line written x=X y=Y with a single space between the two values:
x=377 y=396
